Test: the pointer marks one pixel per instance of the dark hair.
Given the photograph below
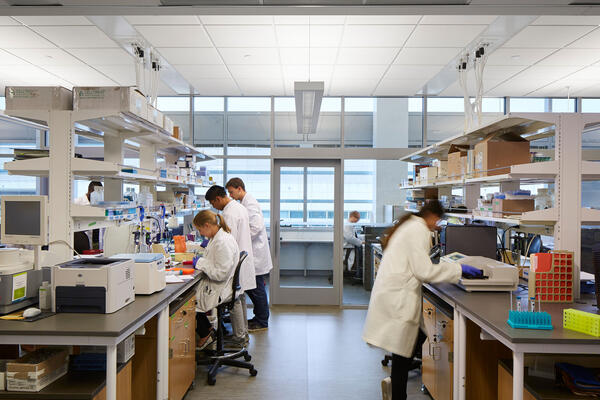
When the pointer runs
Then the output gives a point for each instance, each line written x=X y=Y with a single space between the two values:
x=431 y=207
x=92 y=185
x=236 y=183
x=215 y=191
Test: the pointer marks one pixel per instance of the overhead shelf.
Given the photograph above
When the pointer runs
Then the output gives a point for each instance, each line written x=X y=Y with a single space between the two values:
x=530 y=126
x=590 y=170
x=590 y=216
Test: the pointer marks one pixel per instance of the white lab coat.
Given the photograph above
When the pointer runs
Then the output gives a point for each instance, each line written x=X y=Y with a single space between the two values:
x=236 y=218
x=395 y=314
x=260 y=242
x=83 y=201
x=350 y=240
x=218 y=264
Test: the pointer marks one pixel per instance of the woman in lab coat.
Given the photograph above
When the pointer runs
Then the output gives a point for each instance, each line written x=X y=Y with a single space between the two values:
x=394 y=315
x=218 y=265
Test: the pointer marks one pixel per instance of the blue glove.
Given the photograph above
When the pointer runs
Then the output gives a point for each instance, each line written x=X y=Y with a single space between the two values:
x=204 y=243
x=195 y=260
x=471 y=272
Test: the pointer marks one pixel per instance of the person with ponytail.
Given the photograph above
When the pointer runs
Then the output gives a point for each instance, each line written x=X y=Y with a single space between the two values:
x=394 y=316
x=218 y=267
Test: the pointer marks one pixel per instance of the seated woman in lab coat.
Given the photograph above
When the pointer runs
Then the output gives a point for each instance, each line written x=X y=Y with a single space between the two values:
x=394 y=316
x=218 y=265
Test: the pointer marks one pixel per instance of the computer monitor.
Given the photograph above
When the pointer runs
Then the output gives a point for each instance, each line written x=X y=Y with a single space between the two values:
x=24 y=220
x=471 y=240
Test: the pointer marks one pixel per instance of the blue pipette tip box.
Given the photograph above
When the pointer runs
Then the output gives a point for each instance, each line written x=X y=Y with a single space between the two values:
x=529 y=320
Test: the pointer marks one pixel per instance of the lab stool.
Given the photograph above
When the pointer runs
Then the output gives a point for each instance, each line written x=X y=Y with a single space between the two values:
x=221 y=356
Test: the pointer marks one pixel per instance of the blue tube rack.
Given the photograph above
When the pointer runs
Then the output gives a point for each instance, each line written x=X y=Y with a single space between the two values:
x=529 y=320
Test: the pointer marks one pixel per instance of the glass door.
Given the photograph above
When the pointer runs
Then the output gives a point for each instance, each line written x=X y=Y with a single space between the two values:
x=306 y=232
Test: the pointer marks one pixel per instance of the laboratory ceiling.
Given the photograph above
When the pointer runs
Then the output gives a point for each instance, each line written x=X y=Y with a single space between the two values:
x=356 y=55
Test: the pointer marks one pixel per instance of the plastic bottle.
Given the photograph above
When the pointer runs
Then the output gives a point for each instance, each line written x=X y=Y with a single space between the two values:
x=44 y=296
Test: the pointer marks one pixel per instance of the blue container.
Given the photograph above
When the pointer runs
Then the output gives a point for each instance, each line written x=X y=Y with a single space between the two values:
x=529 y=320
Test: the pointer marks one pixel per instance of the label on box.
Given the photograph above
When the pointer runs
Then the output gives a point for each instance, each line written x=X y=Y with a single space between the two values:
x=19 y=289
x=23 y=93
x=93 y=93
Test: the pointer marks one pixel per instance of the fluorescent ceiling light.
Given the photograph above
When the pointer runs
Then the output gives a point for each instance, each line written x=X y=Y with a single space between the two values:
x=308 y=105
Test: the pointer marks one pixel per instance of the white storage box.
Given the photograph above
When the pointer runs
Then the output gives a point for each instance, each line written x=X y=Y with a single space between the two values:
x=36 y=370
x=168 y=124
x=428 y=175
x=155 y=116
x=38 y=98
x=121 y=98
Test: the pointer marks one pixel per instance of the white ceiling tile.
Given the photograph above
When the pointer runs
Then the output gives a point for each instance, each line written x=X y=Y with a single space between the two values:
x=590 y=91
x=567 y=20
x=80 y=75
x=352 y=87
x=8 y=21
x=398 y=87
x=581 y=57
x=75 y=36
x=190 y=55
x=21 y=37
x=291 y=19
x=517 y=56
x=53 y=20
x=366 y=55
x=264 y=87
x=298 y=55
x=195 y=72
x=383 y=19
x=498 y=73
x=360 y=72
x=514 y=87
x=444 y=35
x=236 y=19
x=457 y=19
x=242 y=35
x=320 y=35
x=545 y=74
x=547 y=37
x=163 y=20
x=256 y=72
x=561 y=88
x=124 y=75
x=252 y=55
x=293 y=73
x=326 y=19
x=426 y=56
x=30 y=75
x=164 y=90
x=103 y=56
x=175 y=36
x=417 y=72
x=589 y=41
x=7 y=58
x=43 y=57
x=216 y=87
x=376 y=35
x=589 y=74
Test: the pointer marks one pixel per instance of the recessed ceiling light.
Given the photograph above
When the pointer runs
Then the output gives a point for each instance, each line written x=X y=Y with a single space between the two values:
x=515 y=56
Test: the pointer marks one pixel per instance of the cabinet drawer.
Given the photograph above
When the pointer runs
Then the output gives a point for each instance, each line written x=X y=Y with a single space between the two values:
x=429 y=317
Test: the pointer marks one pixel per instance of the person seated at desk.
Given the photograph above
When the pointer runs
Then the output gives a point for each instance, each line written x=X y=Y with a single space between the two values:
x=353 y=245
x=88 y=240
x=218 y=266
x=395 y=310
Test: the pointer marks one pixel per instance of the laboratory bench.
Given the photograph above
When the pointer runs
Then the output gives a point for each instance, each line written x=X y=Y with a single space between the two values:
x=480 y=336
x=70 y=329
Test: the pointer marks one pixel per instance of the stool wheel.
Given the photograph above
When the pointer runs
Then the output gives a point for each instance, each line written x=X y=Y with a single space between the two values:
x=253 y=372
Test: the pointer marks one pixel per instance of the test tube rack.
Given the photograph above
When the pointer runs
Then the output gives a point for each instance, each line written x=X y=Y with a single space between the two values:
x=529 y=320
x=551 y=277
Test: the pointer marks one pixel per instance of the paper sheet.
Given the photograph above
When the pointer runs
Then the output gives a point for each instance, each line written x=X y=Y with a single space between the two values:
x=19 y=289
x=174 y=279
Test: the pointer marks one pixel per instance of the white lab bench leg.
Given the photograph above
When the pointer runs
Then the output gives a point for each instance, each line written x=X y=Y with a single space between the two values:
x=518 y=372
x=162 y=355
x=111 y=372
x=455 y=350
x=462 y=356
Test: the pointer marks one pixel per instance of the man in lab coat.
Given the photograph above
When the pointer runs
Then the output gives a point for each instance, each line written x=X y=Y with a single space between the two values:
x=262 y=255
x=236 y=217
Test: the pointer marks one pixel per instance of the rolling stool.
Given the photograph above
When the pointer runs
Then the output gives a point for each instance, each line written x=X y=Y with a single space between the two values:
x=222 y=356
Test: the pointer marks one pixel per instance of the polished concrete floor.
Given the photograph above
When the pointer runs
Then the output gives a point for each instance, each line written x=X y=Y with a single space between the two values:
x=308 y=353
x=353 y=294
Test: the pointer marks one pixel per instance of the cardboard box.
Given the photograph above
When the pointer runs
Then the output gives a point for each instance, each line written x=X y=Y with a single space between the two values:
x=428 y=175
x=442 y=170
x=463 y=166
x=177 y=132
x=494 y=155
x=509 y=208
x=470 y=163
x=155 y=116
x=425 y=193
x=36 y=370
x=454 y=163
x=38 y=98
x=168 y=124
x=120 y=98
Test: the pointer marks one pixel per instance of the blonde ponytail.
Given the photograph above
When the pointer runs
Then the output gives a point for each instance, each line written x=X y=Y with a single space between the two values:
x=209 y=217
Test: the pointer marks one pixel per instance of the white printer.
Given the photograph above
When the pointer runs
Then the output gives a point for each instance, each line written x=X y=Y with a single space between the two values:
x=149 y=271
x=93 y=285
x=497 y=276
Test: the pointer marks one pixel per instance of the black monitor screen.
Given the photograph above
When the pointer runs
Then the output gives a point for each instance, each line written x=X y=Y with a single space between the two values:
x=21 y=218
x=471 y=240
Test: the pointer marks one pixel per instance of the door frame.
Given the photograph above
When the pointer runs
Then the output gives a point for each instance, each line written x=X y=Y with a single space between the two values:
x=307 y=295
